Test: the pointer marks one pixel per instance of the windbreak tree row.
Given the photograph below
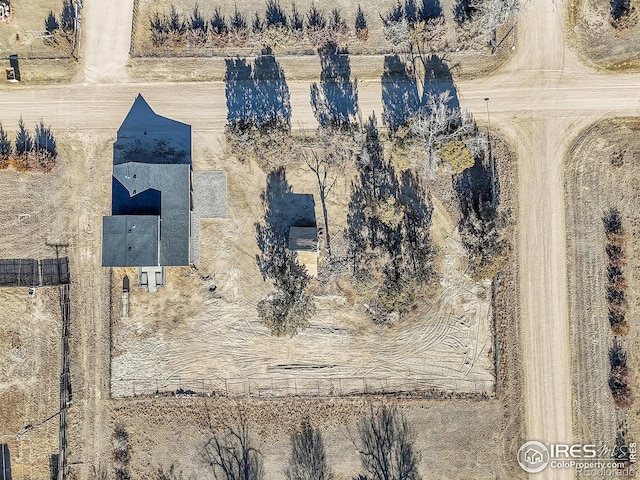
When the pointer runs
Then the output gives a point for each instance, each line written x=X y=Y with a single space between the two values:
x=35 y=150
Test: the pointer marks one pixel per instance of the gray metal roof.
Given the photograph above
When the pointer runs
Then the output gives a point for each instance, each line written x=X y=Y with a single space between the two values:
x=303 y=238
x=151 y=153
x=209 y=201
x=173 y=183
x=129 y=240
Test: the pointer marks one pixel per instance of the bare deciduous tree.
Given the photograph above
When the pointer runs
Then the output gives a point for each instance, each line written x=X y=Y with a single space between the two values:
x=308 y=459
x=386 y=445
x=437 y=123
x=231 y=454
x=492 y=14
x=320 y=167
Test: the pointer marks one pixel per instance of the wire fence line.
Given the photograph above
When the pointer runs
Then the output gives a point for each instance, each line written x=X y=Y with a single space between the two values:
x=299 y=386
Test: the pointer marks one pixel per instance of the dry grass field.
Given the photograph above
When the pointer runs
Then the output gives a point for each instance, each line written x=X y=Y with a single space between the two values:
x=595 y=181
x=450 y=447
x=598 y=42
x=39 y=61
x=63 y=206
x=29 y=378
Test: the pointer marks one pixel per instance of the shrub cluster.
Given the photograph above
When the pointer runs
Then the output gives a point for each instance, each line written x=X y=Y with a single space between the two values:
x=616 y=261
x=121 y=453
x=276 y=28
x=32 y=151
x=619 y=376
x=389 y=221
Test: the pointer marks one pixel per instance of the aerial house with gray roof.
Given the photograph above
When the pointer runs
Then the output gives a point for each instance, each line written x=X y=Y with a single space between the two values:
x=151 y=212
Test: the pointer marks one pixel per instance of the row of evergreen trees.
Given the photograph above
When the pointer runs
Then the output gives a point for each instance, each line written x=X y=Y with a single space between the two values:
x=35 y=150
x=276 y=28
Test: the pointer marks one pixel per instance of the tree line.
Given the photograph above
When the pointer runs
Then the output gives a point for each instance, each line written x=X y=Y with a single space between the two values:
x=616 y=294
x=275 y=28
x=31 y=150
x=620 y=375
x=384 y=440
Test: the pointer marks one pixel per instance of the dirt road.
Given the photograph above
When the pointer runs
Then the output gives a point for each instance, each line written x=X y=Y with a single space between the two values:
x=540 y=99
x=107 y=40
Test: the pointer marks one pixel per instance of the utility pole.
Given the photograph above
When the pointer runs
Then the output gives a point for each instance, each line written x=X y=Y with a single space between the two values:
x=491 y=157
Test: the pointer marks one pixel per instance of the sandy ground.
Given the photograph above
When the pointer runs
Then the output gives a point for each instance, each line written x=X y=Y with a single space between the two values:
x=541 y=99
x=107 y=33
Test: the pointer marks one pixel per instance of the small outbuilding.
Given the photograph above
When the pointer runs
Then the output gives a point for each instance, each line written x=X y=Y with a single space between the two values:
x=304 y=241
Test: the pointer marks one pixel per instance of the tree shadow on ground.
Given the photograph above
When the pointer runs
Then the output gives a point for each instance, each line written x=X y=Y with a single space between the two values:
x=463 y=11
x=429 y=9
x=438 y=78
x=335 y=100
x=473 y=187
x=375 y=187
x=620 y=9
x=481 y=226
x=388 y=227
x=418 y=209
x=402 y=96
x=257 y=95
x=283 y=209
x=414 y=11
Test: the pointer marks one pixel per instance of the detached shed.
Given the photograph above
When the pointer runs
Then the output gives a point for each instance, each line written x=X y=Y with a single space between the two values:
x=304 y=241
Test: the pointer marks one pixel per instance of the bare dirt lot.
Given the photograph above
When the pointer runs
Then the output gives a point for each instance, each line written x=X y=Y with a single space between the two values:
x=595 y=180
x=168 y=340
x=598 y=42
